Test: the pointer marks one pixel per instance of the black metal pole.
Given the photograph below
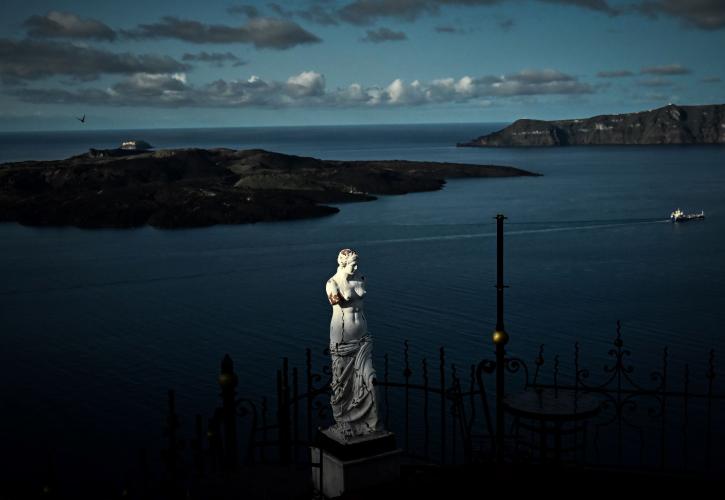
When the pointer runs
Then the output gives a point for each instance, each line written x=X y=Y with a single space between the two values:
x=500 y=339
x=228 y=382
x=499 y=273
x=283 y=415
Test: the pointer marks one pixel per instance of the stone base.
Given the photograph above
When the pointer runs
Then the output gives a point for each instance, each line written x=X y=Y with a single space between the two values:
x=353 y=464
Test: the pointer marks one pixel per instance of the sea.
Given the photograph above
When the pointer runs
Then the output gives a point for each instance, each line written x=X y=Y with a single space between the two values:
x=97 y=325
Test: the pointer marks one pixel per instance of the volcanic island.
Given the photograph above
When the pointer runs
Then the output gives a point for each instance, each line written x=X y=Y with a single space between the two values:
x=179 y=188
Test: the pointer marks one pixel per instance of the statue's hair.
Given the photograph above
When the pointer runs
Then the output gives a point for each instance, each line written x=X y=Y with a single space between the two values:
x=345 y=255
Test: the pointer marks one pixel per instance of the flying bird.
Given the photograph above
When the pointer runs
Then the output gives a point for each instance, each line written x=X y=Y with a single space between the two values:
x=82 y=120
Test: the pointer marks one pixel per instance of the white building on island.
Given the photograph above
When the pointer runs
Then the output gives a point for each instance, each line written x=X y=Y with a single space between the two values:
x=135 y=145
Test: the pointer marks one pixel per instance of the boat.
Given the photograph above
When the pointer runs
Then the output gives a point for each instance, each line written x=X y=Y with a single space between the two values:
x=680 y=216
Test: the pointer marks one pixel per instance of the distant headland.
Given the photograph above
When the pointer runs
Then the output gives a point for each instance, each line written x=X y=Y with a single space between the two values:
x=177 y=188
x=671 y=124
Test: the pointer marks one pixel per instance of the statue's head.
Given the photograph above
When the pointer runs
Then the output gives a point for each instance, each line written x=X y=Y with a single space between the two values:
x=347 y=260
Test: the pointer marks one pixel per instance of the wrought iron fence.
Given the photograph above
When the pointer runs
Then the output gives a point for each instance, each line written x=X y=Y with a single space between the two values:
x=445 y=415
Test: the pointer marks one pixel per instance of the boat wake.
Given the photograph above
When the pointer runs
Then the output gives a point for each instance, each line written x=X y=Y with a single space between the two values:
x=492 y=234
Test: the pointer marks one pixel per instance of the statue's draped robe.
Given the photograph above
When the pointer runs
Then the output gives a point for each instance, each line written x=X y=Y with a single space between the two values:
x=353 y=394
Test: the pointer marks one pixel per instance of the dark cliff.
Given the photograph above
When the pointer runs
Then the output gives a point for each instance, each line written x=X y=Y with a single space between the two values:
x=668 y=125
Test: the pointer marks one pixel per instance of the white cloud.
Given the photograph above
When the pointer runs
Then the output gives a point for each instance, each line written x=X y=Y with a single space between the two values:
x=308 y=88
x=465 y=85
x=307 y=83
x=396 y=91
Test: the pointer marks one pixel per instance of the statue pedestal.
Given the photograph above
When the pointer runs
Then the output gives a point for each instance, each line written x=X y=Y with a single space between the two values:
x=355 y=463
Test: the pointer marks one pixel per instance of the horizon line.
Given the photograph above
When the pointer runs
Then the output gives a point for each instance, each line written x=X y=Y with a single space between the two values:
x=256 y=126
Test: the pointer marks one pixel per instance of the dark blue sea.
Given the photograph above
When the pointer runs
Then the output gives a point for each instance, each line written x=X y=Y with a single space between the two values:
x=97 y=325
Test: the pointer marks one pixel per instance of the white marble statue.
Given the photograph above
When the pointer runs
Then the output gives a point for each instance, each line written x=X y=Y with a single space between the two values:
x=353 y=393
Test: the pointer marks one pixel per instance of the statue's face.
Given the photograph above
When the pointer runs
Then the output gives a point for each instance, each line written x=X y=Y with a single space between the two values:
x=351 y=267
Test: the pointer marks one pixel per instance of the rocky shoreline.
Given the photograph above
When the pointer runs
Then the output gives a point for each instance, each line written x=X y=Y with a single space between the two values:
x=180 y=188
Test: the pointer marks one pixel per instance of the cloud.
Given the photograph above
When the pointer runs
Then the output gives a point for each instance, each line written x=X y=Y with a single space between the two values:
x=526 y=82
x=384 y=35
x=365 y=12
x=248 y=10
x=595 y=5
x=141 y=89
x=368 y=11
x=532 y=76
x=32 y=60
x=168 y=88
x=309 y=89
x=66 y=25
x=670 y=69
x=622 y=73
x=655 y=82
x=217 y=59
x=451 y=30
x=506 y=24
x=315 y=13
x=703 y=14
x=262 y=32
x=446 y=29
x=173 y=90
x=306 y=84
x=318 y=14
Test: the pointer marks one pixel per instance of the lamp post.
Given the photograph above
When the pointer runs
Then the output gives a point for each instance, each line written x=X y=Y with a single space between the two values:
x=500 y=339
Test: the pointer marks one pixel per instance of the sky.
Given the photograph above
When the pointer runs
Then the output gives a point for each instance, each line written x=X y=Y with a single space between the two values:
x=166 y=64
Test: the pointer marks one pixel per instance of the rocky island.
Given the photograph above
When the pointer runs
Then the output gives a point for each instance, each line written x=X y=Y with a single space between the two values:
x=199 y=187
x=671 y=124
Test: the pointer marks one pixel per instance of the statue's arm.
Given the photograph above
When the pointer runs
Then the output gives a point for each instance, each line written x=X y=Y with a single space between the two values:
x=333 y=292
